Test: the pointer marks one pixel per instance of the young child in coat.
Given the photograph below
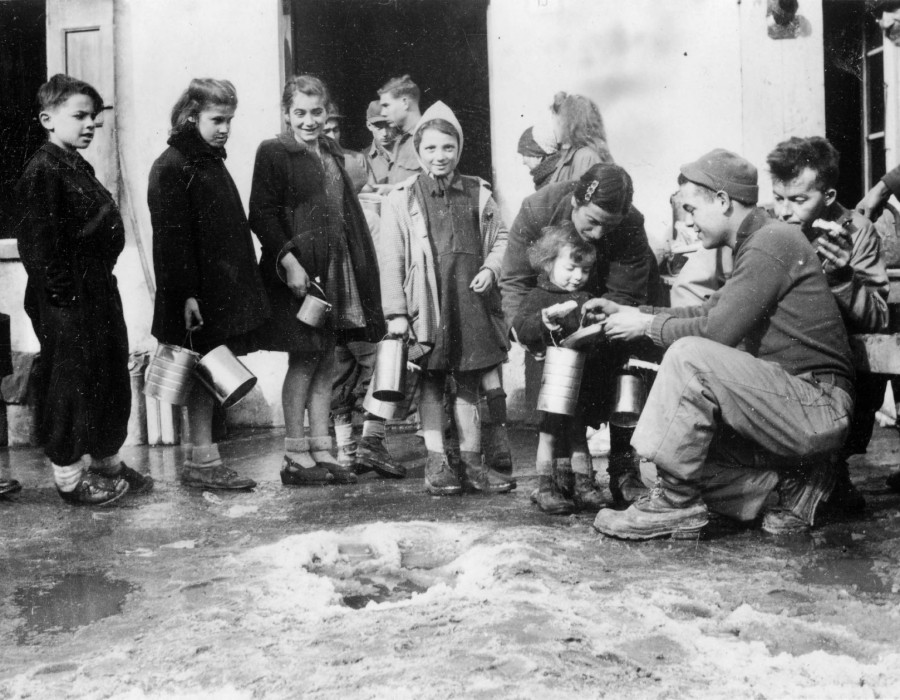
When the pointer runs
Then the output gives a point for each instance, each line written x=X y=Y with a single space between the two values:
x=209 y=291
x=70 y=234
x=550 y=313
x=442 y=245
x=305 y=211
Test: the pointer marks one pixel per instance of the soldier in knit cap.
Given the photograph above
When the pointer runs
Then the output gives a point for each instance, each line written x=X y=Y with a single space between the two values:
x=757 y=381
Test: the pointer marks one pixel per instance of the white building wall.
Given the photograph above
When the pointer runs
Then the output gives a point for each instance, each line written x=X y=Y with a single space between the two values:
x=673 y=80
x=161 y=46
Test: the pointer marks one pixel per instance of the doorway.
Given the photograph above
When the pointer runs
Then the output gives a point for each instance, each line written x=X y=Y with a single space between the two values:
x=23 y=68
x=854 y=95
x=356 y=46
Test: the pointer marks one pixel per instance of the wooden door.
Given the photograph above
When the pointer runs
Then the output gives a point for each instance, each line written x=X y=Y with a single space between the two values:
x=80 y=43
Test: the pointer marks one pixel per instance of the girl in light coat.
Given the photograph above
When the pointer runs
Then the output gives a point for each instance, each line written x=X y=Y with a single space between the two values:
x=442 y=246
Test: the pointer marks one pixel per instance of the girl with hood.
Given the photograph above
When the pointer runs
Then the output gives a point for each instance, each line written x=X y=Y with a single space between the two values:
x=442 y=245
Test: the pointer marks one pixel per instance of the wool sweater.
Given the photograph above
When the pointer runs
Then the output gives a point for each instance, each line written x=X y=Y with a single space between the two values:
x=776 y=306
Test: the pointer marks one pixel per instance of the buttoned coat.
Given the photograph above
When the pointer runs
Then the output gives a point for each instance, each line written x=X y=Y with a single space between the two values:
x=409 y=285
x=288 y=212
x=202 y=246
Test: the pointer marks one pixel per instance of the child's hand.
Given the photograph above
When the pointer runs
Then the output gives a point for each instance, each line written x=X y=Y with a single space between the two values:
x=398 y=327
x=550 y=315
x=483 y=281
x=193 y=321
x=296 y=278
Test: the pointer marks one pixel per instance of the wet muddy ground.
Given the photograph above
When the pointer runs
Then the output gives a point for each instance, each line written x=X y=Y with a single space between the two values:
x=379 y=590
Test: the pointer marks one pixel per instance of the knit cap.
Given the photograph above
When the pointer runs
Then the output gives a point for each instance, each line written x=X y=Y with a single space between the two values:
x=528 y=146
x=726 y=171
x=543 y=134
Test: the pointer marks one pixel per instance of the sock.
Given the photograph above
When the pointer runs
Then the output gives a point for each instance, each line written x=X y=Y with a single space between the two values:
x=298 y=450
x=205 y=456
x=620 y=439
x=320 y=450
x=581 y=463
x=496 y=401
x=67 y=478
x=373 y=427
x=343 y=433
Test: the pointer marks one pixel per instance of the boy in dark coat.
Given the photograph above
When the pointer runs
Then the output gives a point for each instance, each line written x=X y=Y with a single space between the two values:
x=70 y=234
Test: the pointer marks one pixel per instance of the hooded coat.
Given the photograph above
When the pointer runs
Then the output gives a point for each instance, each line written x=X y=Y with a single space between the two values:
x=409 y=280
x=288 y=212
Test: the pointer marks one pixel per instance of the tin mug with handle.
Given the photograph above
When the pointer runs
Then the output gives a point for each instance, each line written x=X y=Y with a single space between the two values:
x=314 y=310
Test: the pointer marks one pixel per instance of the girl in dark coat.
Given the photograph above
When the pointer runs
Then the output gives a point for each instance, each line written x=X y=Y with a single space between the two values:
x=550 y=313
x=305 y=212
x=209 y=288
x=70 y=234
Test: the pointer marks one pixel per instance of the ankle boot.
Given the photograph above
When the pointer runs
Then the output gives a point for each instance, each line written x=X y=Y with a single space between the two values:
x=587 y=496
x=548 y=498
x=564 y=477
x=476 y=477
x=440 y=478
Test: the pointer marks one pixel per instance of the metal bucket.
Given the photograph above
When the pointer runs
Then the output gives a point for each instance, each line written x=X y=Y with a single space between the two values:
x=314 y=311
x=389 y=375
x=170 y=374
x=561 y=381
x=224 y=376
x=395 y=410
x=629 y=401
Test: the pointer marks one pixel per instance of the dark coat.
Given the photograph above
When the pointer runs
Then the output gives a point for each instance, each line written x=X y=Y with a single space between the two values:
x=202 y=246
x=288 y=212
x=530 y=328
x=70 y=234
x=625 y=272
x=603 y=359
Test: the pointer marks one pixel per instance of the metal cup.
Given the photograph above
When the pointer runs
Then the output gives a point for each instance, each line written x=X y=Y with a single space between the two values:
x=314 y=311
x=629 y=403
x=389 y=375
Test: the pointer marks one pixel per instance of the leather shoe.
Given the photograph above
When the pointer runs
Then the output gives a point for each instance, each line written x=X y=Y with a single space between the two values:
x=95 y=490
x=548 y=498
x=373 y=453
x=476 y=477
x=9 y=486
x=586 y=496
x=216 y=476
x=292 y=474
x=137 y=483
x=440 y=479
x=653 y=515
